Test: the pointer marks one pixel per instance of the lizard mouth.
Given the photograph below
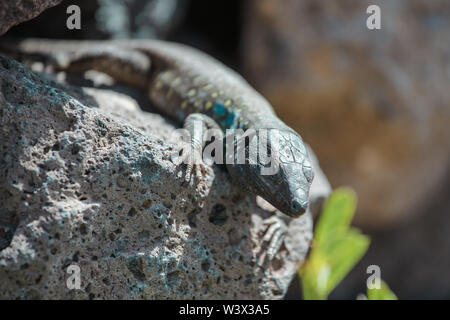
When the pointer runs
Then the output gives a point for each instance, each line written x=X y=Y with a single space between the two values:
x=298 y=207
x=294 y=209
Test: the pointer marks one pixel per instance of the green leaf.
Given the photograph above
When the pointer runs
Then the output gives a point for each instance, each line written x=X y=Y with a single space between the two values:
x=384 y=293
x=336 y=215
x=336 y=247
x=315 y=274
x=325 y=270
x=348 y=251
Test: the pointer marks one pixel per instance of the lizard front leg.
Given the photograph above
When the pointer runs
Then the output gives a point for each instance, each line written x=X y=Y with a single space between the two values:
x=277 y=228
x=196 y=125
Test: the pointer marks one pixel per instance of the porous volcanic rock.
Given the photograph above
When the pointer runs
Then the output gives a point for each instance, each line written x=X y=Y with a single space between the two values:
x=86 y=179
x=13 y=12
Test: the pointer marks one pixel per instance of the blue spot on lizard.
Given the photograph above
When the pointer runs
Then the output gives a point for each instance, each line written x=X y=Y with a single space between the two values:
x=229 y=115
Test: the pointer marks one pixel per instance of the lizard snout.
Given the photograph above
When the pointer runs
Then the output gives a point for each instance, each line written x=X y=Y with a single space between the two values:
x=298 y=207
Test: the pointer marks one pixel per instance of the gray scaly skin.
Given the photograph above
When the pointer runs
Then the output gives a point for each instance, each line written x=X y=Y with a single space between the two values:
x=190 y=86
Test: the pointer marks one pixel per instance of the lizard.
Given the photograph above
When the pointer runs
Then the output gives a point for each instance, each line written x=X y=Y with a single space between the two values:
x=195 y=89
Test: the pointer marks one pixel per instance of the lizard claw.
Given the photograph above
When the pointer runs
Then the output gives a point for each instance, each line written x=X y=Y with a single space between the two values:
x=196 y=171
x=195 y=167
x=274 y=235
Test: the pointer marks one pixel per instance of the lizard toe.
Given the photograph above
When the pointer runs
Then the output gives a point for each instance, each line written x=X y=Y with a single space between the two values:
x=274 y=235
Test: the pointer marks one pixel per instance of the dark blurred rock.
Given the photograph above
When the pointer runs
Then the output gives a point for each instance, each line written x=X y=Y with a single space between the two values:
x=373 y=104
x=13 y=12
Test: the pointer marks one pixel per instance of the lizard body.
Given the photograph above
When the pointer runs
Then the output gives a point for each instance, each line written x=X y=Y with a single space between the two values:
x=183 y=82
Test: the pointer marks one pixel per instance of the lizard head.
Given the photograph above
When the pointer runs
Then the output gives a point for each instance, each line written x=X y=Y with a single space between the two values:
x=283 y=178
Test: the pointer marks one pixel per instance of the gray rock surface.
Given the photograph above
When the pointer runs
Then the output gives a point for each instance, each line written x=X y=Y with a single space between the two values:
x=13 y=12
x=86 y=179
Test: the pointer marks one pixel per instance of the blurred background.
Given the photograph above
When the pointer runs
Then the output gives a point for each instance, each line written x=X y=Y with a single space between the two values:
x=373 y=104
